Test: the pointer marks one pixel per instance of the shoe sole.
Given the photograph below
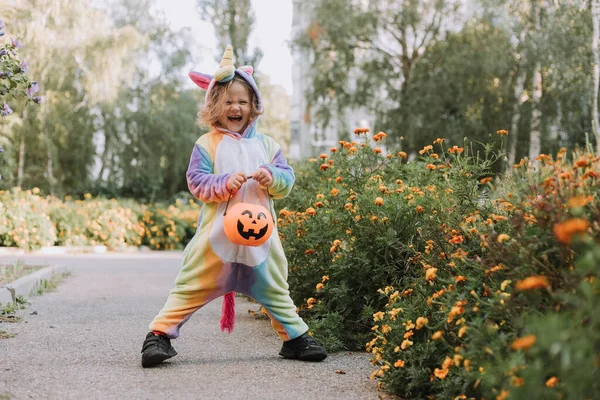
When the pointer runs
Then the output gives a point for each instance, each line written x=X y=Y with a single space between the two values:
x=152 y=359
x=315 y=356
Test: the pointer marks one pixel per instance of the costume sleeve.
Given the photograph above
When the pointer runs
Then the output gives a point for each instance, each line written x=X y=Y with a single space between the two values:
x=202 y=182
x=283 y=176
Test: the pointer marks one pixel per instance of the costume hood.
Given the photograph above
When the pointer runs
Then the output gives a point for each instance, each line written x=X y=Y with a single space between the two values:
x=225 y=73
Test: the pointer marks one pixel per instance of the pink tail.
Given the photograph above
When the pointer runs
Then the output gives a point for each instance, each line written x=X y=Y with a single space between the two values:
x=228 y=312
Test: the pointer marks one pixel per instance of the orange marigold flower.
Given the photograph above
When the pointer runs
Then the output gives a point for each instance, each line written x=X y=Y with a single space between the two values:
x=320 y=287
x=502 y=132
x=421 y=321
x=437 y=335
x=488 y=179
x=425 y=149
x=377 y=150
x=523 y=343
x=399 y=364
x=379 y=136
x=579 y=201
x=310 y=302
x=552 y=382
x=323 y=156
x=310 y=251
x=455 y=149
x=360 y=131
x=565 y=231
x=462 y=331
x=402 y=154
x=311 y=211
x=325 y=278
x=419 y=209
x=338 y=179
x=333 y=149
x=439 y=140
x=430 y=167
x=319 y=204
x=503 y=237
x=456 y=239
x=352 y=150
x=434 y=156
x=379 y=201
x=430 y=274
x=581 y=163
x=324 y=167
x=460 y=278
x=440 y=373
x=532 y=283
x=590 y=174
x=334 y=192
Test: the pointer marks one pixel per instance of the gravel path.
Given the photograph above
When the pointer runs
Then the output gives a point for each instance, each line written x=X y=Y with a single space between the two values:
x=83 y=341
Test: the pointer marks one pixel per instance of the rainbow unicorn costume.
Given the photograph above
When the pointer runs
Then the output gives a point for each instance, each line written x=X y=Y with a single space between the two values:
x=212 y=266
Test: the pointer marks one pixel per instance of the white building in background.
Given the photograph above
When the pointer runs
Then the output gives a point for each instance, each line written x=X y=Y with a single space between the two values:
x=308 y=138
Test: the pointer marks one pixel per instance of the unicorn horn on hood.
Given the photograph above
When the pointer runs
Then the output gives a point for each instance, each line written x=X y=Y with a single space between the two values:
x=226 y=69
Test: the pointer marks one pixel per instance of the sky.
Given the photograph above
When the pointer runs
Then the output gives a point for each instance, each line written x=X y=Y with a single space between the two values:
x=271 y=32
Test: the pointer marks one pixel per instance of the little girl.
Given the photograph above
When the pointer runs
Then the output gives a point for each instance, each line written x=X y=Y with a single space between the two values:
x=221 y=165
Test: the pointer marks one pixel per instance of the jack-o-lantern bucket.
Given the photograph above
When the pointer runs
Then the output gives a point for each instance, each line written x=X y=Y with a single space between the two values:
x=248 y=224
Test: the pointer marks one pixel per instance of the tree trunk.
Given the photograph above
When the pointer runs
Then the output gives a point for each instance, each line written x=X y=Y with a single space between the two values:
x=595 y=39
x=516 y=115
x=49 y=168
x=21 y=165
x=535 y=138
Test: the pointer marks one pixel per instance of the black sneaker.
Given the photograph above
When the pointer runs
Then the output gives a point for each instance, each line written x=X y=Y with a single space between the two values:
x=303 y=348
x=156 y=349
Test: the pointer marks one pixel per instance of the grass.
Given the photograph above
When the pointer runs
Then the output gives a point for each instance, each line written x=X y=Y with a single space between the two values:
x=10 y=273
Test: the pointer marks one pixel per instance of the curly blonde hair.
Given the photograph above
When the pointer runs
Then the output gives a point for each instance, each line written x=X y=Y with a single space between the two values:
x=211 y=110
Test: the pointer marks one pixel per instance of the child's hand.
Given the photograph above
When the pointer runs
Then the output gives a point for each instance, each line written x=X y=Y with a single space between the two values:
x=263 y=177
x=236 y=181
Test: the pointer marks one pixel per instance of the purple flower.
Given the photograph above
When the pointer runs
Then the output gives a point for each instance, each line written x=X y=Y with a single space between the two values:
x=32 y=89
x=3 y=52
x=24 y=66
x=1 y=148
x=6 y=110
x=15 y=43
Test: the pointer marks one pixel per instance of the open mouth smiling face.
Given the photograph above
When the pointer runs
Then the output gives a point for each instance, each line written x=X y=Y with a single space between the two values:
x=236 y=110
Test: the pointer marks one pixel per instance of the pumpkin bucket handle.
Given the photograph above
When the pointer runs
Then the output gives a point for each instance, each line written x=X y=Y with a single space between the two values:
x=229 y=198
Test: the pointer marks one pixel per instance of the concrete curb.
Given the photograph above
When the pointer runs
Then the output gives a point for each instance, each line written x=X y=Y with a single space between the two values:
x=25 y=285
x=71 y=250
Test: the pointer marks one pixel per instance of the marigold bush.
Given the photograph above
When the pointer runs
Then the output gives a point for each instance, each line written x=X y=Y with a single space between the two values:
x=462 y=284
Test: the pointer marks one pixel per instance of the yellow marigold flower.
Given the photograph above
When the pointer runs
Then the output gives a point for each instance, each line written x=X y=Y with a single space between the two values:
x=320 y=287
x=523 y=343
x=503 y=237
x=379 y=201
x=402 y=154
x=502 y=132
x=437 y=335
x=334 y=192
x=462 y=331
x=310 y=302
x=565 y=231
x=430 y=167
x=440 y=373
x=532 y=283
x=552 y=382
x=311 y=211
x=385 y=329
x=405 y=344
x=467 y=365
x=421 y=321
x=399 y=364
x=430 y=274
x=488 y=179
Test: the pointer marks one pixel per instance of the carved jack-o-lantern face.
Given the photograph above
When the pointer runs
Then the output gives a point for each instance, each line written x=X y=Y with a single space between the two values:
x=248 y=224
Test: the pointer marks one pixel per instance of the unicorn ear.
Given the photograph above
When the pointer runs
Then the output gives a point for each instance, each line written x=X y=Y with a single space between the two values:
x=200 y=79
x=247 y=69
